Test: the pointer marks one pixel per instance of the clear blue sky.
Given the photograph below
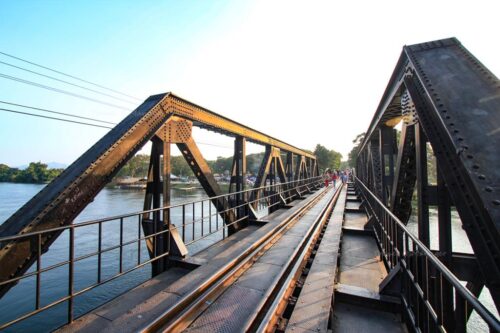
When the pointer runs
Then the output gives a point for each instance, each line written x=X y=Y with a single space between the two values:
x=315 y=72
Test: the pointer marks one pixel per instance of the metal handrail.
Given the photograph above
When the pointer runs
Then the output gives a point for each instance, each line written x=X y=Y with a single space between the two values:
x=481 y=310
x=270 y=191
x=117 y=217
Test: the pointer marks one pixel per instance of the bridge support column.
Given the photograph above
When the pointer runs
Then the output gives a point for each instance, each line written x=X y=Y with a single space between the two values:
x=289 y=167
x=152 y=223
x=238 y=177
x=387 y=137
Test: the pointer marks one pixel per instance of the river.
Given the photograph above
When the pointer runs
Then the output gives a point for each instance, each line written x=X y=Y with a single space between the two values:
x=110 y=202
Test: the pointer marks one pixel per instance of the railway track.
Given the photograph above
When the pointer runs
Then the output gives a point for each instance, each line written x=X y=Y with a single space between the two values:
x=269 y=312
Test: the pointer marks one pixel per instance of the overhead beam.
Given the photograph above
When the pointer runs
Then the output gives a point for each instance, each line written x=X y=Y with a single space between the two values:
x=205 y=118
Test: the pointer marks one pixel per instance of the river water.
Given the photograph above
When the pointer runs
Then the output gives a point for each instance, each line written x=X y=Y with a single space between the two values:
x=110 y=202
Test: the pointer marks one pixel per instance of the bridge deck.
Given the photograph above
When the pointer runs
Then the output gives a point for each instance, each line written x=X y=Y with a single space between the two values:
x=136 y=308
x=358 y=306
x=237 y=305
x=340 y=291
x=312 y=310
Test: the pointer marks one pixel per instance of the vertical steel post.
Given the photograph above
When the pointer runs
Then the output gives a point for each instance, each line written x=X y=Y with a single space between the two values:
x=386 y=152
x=423 y=205
x=239 y=174
x=167 y=170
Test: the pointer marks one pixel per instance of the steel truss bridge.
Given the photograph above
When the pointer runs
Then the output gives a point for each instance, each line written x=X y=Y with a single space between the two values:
x=288 y=253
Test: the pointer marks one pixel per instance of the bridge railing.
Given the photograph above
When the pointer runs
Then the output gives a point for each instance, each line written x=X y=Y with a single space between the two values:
x=195 y=220
x=433 y=299
x=200 y=220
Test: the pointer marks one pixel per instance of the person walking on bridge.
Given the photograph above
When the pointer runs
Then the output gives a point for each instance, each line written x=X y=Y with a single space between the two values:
x=334 y=177
x=326 y=177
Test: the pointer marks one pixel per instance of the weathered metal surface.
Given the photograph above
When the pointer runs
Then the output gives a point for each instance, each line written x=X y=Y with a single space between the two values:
x=360 y=263
x=314 y=304
x=351 y=318
x=457 y=110
x=127 y=312
x=405 y=174
x=203 y=173
x=63 y=199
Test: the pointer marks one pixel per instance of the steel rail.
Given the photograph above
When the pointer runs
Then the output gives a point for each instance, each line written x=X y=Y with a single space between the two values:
x=272 y=303
x=181 y=314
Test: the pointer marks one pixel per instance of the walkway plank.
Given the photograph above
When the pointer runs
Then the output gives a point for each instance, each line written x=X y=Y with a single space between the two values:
x=313 y=307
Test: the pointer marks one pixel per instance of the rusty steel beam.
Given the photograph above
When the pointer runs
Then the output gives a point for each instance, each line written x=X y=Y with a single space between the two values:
x=61 y=201
x=203 y=173
x=204 y=118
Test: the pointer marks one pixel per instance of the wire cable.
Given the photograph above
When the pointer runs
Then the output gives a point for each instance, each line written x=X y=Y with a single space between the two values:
x=66 y=82
x=56 y=112
x=68 y=75
x=54 y=118
x=69 y=93
x=81 y=123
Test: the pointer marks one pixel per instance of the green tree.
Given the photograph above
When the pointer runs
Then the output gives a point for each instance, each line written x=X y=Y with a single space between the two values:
x=8 y=174
x=327 y=158
x=180 y=167
x=353 y=154
x=36 y=172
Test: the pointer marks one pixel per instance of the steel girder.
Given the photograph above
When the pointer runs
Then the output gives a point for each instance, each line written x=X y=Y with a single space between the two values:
x=457 y=105
x=202 y=171
x=238 y=177
x=60 y=202
x=270 y=168
x=405 y=175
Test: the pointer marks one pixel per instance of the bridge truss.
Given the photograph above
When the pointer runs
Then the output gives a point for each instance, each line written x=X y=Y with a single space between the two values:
x=448 y=103
x=163 y=119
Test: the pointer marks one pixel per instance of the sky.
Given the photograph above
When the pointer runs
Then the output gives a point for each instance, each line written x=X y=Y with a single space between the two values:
x=305 y=72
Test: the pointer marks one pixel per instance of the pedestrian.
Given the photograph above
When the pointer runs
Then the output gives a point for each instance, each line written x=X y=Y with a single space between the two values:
x=334 y=178
x=326 y=177
x=344 y=177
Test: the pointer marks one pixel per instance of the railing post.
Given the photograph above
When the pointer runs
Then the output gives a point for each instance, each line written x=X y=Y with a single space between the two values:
x=71 y=273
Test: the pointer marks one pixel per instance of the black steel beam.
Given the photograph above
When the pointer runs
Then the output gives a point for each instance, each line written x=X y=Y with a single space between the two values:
x=405 y=175
x=238 y=176
x=202 y=171
x=454 y=96
x=152 y=223
x=422 y=184
x=60 y=202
